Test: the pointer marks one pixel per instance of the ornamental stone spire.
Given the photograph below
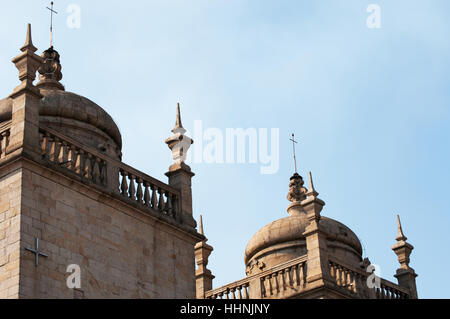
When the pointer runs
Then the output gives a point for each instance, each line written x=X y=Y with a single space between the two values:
x=312 y=204
x=178 y=124
x=316 y=239
x=402 y=249
x=180 y=173
x=24 y=137
x=203 y=275
x=179 y=143
x=27 y=63
x=405 y=275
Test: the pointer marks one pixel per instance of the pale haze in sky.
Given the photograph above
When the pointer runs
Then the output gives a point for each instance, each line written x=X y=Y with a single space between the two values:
x=370 y=108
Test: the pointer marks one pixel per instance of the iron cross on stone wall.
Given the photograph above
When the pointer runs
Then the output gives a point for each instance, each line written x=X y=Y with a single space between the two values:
x=37 y=252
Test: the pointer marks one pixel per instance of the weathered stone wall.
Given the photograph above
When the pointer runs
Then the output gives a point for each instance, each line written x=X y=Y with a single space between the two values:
x=122 y=252
x=10 y=184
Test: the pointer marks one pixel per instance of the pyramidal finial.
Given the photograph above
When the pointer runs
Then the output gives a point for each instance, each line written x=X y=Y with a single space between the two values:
x=178 y=123
x=27 y=62
x=400 y=236
x=311 y=190
x=200 y=226
x=29 y=41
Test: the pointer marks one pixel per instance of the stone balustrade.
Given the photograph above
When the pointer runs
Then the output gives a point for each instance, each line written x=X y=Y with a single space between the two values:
x=236 y=290
x=93 y=167
x=149 y=192
x=73 y=157
x=288 y=279
x=5 y=132
x=389 y=290
x=350 y=280
x=281 y=281
x=284 y=280
x=354 y=282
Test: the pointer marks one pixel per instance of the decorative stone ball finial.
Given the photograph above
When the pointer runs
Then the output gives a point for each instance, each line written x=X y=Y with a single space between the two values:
x=297 y=192
x=50 y=71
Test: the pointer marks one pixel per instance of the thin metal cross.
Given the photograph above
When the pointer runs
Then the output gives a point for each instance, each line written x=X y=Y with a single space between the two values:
x=293 y=149
x=37 y=252
x=51 y=23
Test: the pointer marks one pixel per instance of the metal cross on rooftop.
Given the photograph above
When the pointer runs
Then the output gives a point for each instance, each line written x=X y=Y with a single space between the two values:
x=51 y=23
x=37 y=252
x=293 y=149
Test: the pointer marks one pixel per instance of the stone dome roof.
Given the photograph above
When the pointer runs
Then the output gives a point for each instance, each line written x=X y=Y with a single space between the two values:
x=291 y=228
x=75 y=115
x=283 y=239
x=69 y=105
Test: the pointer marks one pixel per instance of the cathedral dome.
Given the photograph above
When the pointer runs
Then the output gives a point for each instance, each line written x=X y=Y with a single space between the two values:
x=283 y=240
x=77 y=117
x=70 y=113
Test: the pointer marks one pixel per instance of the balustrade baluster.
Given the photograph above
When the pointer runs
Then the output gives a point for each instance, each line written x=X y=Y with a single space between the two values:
x=87 y=173
x=289 y=275
x=124 y=184
x=344 y=278
x=146 y=194
x=273 y=285
x=71 y=157
x=339 y=276
x=78 y=162
x=263 y=287
x=283 y=280
x=44 y=144
x=132 y=188
x=246 y=291
x=139 y=193
x=62 y=154
x=295 y=277
x=53 y=148
x=302 y=274
x=154 y=197
x=161 y=200
x=269 y=280
x=348 y=280
x=354 y=276
x=332 y=271
x=232 y=291
x=96 y=170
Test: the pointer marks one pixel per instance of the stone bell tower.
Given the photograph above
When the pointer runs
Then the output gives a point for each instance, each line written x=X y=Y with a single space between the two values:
x=69 y=206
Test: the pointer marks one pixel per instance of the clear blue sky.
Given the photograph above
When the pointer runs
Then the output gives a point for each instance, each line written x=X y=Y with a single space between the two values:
x=370 y=107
